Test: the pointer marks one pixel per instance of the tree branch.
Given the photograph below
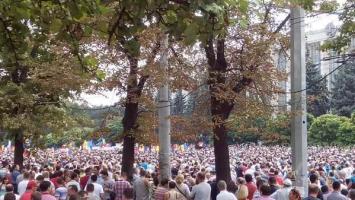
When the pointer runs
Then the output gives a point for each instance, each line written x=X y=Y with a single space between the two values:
x=114 y=26
x=242 y=84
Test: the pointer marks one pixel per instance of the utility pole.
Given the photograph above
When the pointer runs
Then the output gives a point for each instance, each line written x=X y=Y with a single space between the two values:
x=164 y=114
x=298 y=100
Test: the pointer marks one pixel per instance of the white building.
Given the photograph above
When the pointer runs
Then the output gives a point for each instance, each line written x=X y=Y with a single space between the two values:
x=323 y=59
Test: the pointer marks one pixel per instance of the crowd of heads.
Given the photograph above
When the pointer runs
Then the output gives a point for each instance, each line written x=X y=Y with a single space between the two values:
x=82 y=174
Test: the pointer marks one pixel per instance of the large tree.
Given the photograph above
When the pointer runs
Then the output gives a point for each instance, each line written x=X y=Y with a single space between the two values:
x=317 y=91
x=237 y=38
x=235 y=59
x=343 y=92
x=41 y=63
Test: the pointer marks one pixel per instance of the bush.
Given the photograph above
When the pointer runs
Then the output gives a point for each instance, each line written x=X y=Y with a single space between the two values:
x=332 y=130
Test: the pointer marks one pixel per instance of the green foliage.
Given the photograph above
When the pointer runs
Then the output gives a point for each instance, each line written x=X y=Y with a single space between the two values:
x=178 y=104
x=317 y=92
x=347 y=29
x=332 y=129
x=343 y=93
x=42 y=64
x=278 y=130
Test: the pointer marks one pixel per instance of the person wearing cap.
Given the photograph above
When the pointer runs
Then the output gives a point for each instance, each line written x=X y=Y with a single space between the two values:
x=31 y=187
x=283 y=193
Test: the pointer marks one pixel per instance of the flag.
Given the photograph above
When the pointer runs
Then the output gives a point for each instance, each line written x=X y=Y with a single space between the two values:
x=9 y=145
x=182 y=148
x=85 y=145
x=90 y=145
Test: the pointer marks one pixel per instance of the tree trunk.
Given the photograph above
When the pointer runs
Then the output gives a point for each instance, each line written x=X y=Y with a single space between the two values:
x=220 y=108
x=129 y=120
x=220 y=111
x=128 y=155
x=19 y=149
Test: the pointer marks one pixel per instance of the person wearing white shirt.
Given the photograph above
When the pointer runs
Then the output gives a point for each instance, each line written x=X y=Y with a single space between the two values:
x=74 y=181
x=21 y=188
x=224 y=194
x=283 y=193
x=98 y=189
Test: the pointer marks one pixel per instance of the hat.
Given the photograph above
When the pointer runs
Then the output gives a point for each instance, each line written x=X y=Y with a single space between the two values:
x=287 y=182
x=31 y=185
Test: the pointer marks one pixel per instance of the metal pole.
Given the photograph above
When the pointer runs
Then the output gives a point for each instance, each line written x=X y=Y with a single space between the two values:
x=164 y=114
x=298 y=100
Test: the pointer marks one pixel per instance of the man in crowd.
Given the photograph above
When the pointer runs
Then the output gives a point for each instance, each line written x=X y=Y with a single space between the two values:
x=45 y=188
x=223 y=193
x=336 y=195
x=202 y=190
x=120 y=185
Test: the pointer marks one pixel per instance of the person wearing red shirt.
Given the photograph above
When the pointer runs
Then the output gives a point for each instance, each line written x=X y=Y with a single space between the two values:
x=84 y=180
x=250 y=185
x=279 y=179
x=31 y=187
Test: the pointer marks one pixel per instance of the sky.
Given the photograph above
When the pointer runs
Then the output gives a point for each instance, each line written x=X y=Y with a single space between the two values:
x=107 y=98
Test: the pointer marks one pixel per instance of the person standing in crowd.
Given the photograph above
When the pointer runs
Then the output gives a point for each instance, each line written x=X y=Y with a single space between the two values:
x=10 y=189
x=90 y=189
x=23 y=184
x=120 y=185
x=242 y=191
x=202 y=190
x=161 y=190
x=3 y=170
x=108 y=186
x=257 y=193
x=61 y=192
x=73 y=180
x=128 y=194
x=325 y=192
x=223 y=193
x=265 y=191
x=182 y=187
x=36 y=196
x=351 y=194
x=9 y=196
x=46 y=176
x=250 y=185
x=73 y=191
x=313 y=191
x=141 y=186
x=31 y=187
x=283 y=193
x=294 y=194
x=85 y=179
x=273 y=185
x=45 y=188
x=336 y=195
x=98 y=189
x=3 y=182
x=172 y=194
x=14 y=174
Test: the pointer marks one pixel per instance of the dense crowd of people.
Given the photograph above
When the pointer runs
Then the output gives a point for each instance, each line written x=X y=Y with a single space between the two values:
x=258 y=173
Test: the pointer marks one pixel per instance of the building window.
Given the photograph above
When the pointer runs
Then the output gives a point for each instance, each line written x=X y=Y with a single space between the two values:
x=313 y=53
